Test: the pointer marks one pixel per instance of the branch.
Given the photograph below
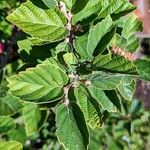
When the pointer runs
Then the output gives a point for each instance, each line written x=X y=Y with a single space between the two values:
x=9 y=47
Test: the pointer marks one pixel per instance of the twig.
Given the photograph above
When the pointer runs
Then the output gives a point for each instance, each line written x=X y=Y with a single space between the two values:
x=75 y=78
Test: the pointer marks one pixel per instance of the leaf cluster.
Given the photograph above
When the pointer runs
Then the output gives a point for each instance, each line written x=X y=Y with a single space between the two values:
x=78 y=60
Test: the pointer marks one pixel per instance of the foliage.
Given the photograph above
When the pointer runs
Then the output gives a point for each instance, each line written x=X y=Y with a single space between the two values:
x=78 y=67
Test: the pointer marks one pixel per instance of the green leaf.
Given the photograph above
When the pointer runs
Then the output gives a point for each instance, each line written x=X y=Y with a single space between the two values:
x=127 y=90
x=34 y=118
x=70 y=60
x=97 y=34
x=44 y=24
x=114 y=63
x=131 y=26
x=40 y=84
x=10 y=145
x=50 y=3
x=133 y=44
x=71 y=130
x=25 y=45
x=63 y=47
x=120 y=22
x=89 y=106
x=90 y=12
x=116 y=8
x=119 y=41
x=68 y=3
x=104 y=81
x=9 y=105
x=52 y=61
x=6 y=124
x=102 y=99
x=115 y=99
x=111 y=143
x=80 y=44
x=18 y=134
x=130 y=45
x=143 y=69
x=77 y=5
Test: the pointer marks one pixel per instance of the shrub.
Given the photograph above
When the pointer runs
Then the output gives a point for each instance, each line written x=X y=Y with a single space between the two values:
x=78 y=61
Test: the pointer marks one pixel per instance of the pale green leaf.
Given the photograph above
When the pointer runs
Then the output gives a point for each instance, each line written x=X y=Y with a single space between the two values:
x=102 y=99
x=114 y=63
x=40 y=84
x=10 y=145
x=52 y=61
x=25 y=45
x=120 y=22
x=127 y=90
x=89 y=106
x=97 y=34
x=9 y=105
x=38 y=41
x=33 y=118
x=118 y=41
x=105 y=81
x=44 y=24
x=6 y=124
x=63 y=47
x=70 y=59
x=129 y=45
x=71 y=130
x=133 y=44
x=131 y=26
x=117 y=8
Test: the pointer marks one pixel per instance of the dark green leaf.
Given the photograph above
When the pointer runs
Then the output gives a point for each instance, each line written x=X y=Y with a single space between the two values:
x=143 y=67
x=33 y=118
x=50 y=3
x=78 y=5
x=89 y=106
x=102 y=99
x=80 y=44
x=114 y=63
x=90 y=11
x=71 y=130
x=127 y=90
x=9 y=105
x=6 y=124
x=97 y=33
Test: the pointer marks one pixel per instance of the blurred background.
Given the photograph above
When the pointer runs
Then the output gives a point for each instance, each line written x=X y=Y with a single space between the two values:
x=143 y=13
